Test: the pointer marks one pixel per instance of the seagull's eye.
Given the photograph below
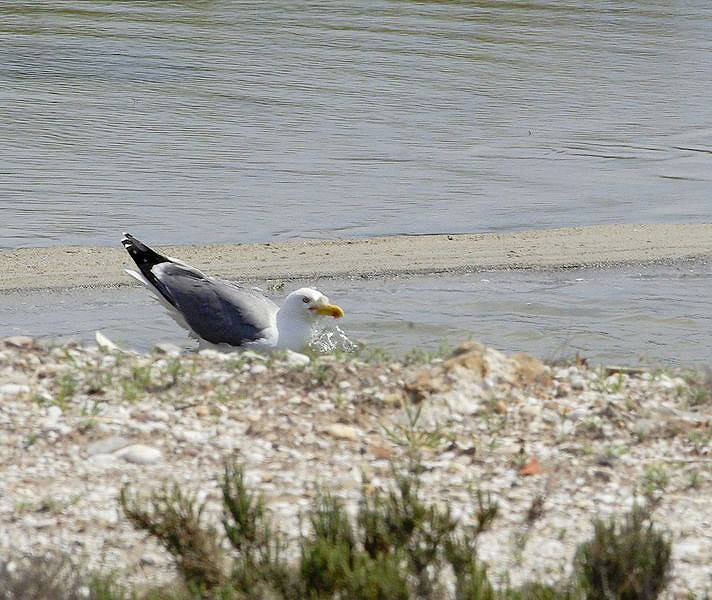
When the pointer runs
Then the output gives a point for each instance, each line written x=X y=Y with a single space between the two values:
x=305 y=300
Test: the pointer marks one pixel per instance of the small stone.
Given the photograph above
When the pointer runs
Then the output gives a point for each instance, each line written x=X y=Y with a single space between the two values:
x=13 y=389
x=105 y=343
x=500 y=407
x=225 y=443
x=392 y=399
x=257 y=369
x=344 y=385
x=531 y=468
x=577 y=382
x=666 y=383
x=14 y=377
x=140 y=455
x=202 y=410
x=167 y=349
x=532 y=410
x=107 y=445
x=381 y=452
x=54 y=413
x=18 y=341
x=342 y=432
x=577 y=414
x=252 y=355
x=690 y=550
x=296 y=359
x=149 y=560
x=39 y=522
x=102 y=460
x=190 y=436
x=643 y=428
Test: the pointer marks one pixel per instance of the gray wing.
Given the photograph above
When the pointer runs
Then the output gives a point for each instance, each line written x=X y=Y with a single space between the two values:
x=218 y=311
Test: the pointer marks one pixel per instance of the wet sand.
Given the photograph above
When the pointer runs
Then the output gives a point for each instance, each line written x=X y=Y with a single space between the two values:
x=596 y=246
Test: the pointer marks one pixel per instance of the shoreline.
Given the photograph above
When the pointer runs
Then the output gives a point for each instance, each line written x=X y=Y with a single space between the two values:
x=36 y=269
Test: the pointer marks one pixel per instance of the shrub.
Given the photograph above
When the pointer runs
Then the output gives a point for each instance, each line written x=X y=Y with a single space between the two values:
x=53 y=577
x=630 y=561
x=398 y=547
x=174 y=519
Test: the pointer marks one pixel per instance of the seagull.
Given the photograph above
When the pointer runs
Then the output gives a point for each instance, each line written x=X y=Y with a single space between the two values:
x=223 y=314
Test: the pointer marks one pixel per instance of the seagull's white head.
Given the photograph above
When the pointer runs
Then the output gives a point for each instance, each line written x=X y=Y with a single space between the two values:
x=310 y=304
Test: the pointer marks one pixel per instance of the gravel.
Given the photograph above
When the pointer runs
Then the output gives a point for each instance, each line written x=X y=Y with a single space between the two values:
x=78 y=423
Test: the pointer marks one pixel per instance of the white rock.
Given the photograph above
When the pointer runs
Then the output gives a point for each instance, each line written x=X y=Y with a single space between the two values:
x=342 y=432
x=14 y=377
x=344 y=385
x=577 y=414
x=39 y=522
x=104 y=461
x=690 y=550
x=18 y=341
x=532 y=410
x=13 y=389
x=296 y=359
x=257 y=369
x=462 y=403
x=252 y=355
x=167 y=349
x=54 y=413
x=140 y=454
x=159 y=415
x=190 y=436
x=149 y=427
x=680 y=383
x=107 y=445
x=666 y=383
x=227 y=443
x=567 y=427
x=214 y=355
x=63 y=429
x=105 y=343
x=577 y=382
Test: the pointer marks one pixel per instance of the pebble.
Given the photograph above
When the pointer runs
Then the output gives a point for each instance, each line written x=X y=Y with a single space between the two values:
x=107 y=445
x=577 y=382
x=296 y=359
x=202 y=410
x=14 y=389
x=257 y=369
x=18 y=341
x=666 y=382
x=140 y=455
x=343 y=432
x=168 y=349
x=190 y=436
x=39 y=522
x=102 y=460
x=690 y=550
x=532 y=410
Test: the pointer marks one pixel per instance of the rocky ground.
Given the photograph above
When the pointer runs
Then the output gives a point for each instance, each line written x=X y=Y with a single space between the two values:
x=555 y=445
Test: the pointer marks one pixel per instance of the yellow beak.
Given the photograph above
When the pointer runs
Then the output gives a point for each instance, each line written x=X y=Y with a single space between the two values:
x=329 y=310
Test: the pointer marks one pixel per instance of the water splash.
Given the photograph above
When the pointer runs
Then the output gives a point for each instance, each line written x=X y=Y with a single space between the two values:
x=331 y=339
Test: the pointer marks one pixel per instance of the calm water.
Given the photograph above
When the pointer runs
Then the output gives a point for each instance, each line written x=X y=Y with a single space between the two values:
x=657 y=315
x=196 y=121
x=200 y=121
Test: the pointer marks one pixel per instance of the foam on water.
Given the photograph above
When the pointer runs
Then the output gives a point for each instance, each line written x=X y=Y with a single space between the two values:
x=331 y=339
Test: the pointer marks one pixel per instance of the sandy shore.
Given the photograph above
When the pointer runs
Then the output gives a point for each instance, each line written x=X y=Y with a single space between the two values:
x=601 y=245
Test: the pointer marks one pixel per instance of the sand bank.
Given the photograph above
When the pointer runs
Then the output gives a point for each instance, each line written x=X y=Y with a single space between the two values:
x=601 y=245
